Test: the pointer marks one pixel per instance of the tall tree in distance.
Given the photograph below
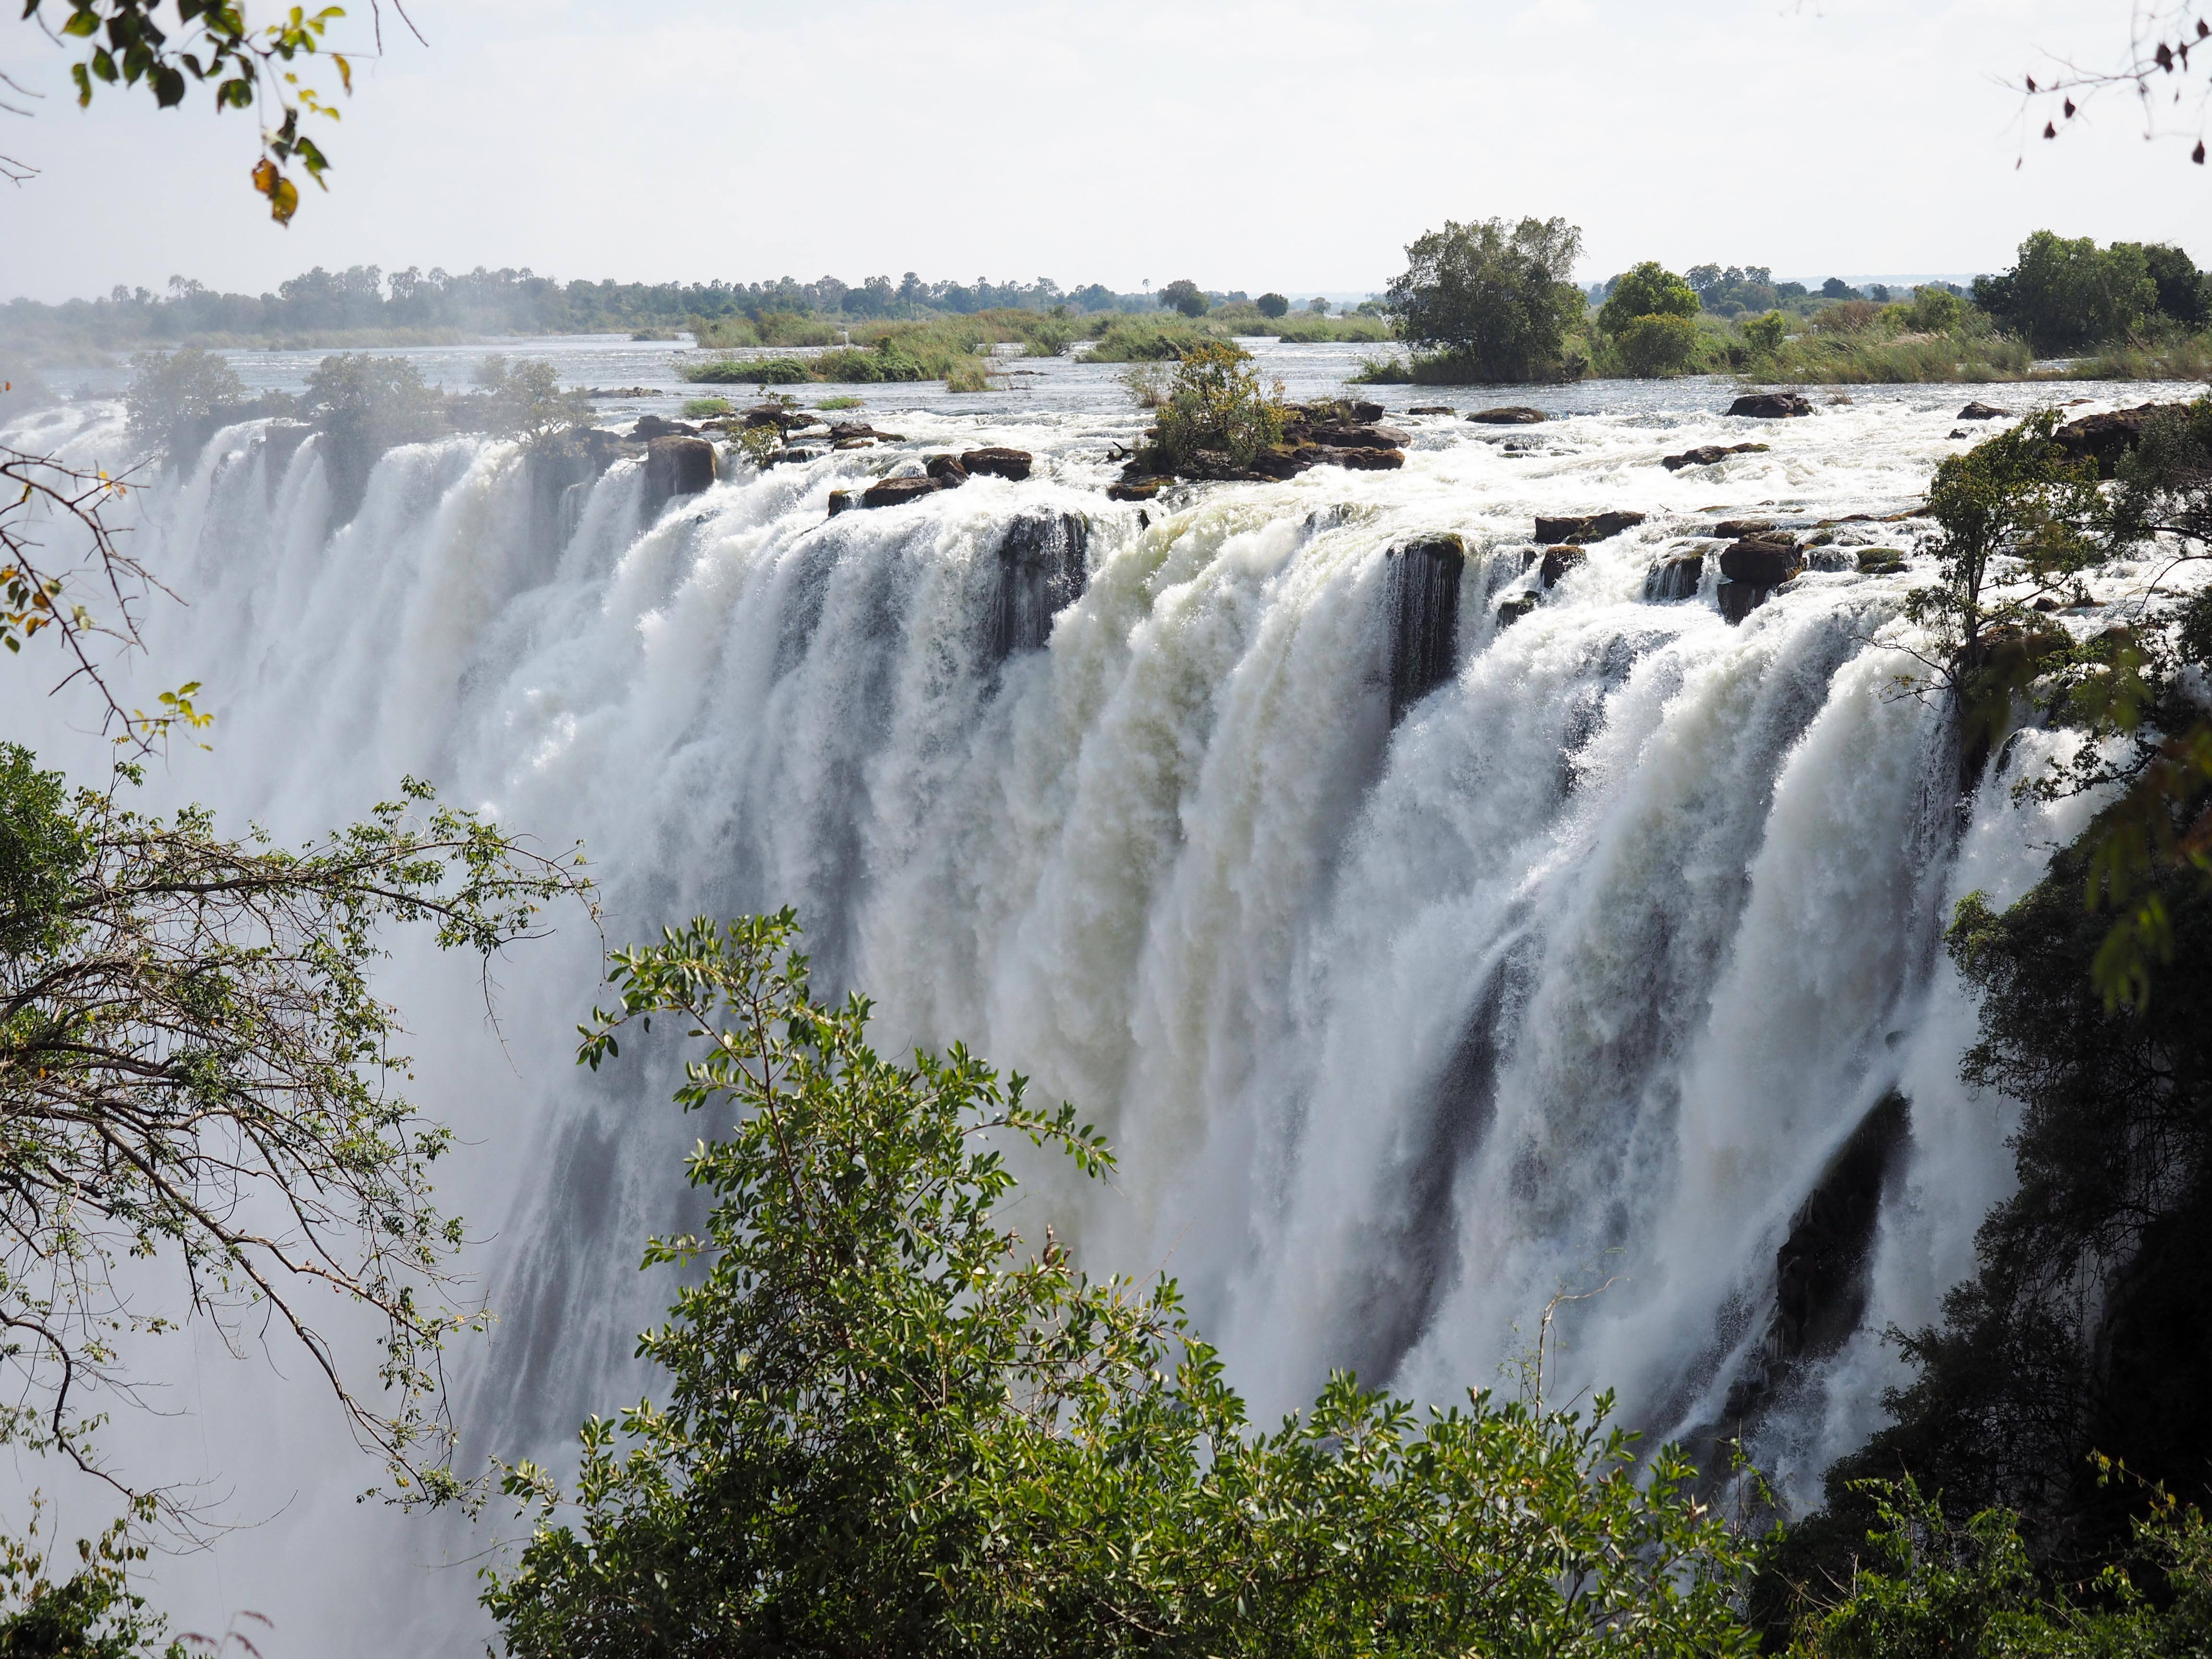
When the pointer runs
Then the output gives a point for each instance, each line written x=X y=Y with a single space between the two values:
x=1497 y=298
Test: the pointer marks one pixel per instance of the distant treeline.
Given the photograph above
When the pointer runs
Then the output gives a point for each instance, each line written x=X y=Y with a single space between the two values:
x=364 y=298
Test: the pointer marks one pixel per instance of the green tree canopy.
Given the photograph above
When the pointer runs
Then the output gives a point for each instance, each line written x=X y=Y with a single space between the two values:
x=2062 y=294
x=896 y=1424
x=1649 y=289
x=1499 y=297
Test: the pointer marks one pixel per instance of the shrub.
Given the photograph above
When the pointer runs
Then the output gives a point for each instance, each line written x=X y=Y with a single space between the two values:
x=756 y=371
x=1848 y=317
x=1933 y=310
x=1184 y=295
x=1496 y=300
x=895 y=1426
x=526 y=399
x=1147 y=383
x=698 y=408
x=1651 y=346
x=1216 y=402
x=973 y=375
x=1272 y=305
x=1765 y=334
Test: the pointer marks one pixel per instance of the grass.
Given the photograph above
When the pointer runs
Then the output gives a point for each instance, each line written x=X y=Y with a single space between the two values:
x=750 y=371
x=695 y=409
x=842 y=400
x=1163 y=336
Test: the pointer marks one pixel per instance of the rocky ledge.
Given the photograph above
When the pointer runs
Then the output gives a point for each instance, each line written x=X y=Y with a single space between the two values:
x=939 y=472
x=1348 y=433
x=1770 y=405
x=1709 y=454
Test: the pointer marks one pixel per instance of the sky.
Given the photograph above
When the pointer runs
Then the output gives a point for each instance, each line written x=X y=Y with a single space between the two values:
x=1287 y=145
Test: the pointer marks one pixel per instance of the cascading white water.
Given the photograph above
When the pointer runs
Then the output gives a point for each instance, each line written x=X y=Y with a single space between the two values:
x=1580 y=976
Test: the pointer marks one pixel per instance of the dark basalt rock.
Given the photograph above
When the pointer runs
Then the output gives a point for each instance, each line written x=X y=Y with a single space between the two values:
x=1510 y=415
x=1770 y=405
x=947 y=470
x=1136 y=490
x=1765 y=561
x=1674 y=578
x=1363 y=460
x=841 y=501
x=1013 y=463
x=1422 y=589
x=1043 y=569
x=1432 y=409
x=1820 y=1272
x=673 y=467
x=1342 y=435
x=1733 y=527
x=1510 y=611
x=1708 y=454
x=1978 y=410
x=895 y=492
x=2104 y=438
x=650 y=426
x=1557 y=561
x=1958 y=432
x=1589 y=527
x=1739 y=600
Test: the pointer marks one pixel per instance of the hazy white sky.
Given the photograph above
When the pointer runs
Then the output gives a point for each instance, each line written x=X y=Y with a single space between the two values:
x=1287 y=145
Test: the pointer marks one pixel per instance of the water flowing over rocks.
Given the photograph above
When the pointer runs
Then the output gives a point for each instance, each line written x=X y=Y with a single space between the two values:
x=1586 y=527
x=1708 y=455
x=1978 y=410
x=999 y=463
x=1419 y=935
x=676 y=466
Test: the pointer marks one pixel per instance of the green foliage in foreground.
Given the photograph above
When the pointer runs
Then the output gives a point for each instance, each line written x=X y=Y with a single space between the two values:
x=94 y=1614
x=1926 y=1588
x=1216 y=402
x=895 y=1425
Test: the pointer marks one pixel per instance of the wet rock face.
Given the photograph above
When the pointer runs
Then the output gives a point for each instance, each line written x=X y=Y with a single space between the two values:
x=1013 y=463
x=1511 y=415
x=1422 y=591
x=1557 y=562
x=1978 y=410
x=1770 y=405
x=947 y=470
x=1043 y=568
x=1589 y=527
x=1674 y=578
x=673 y=467
x=1821 y=1271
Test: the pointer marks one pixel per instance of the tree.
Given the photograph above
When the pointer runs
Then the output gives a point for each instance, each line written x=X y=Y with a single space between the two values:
x=1499 y=301
x=1650 y=346
x=1837 y=289
x=1184 y=295
x=194 y=1070
x=171 y=391
x=1649 y=291
x=248 y=67
x=1765 y=334
x=1318 y=306
x=2062 y=294
x=1272 y=305
x=893 y=1424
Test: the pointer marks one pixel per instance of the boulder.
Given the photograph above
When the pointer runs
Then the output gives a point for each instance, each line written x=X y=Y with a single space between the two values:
x=1674 y=578
x=676 y=466
x=1766 y=561
x=1013 y=463
x=1432 y=409
x=650 y=426
x=1731 y=528
x=1510 y=415
x=2104 y=438
x=1708 y=454
x=1770 y=405
x=1557 y=561
x=894 y=492
x=1879 y=561
x=1589 y=527
x=1337 y=434
x=775 y=415
x=1135 y=489
x=1978 y=410
x=947 y=470
x=1510 y=611
x=853 y=443
x=841 y=501
x=1363 y=460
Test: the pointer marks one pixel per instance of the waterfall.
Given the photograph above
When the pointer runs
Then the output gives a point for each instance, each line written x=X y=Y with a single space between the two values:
x=1422 y=968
